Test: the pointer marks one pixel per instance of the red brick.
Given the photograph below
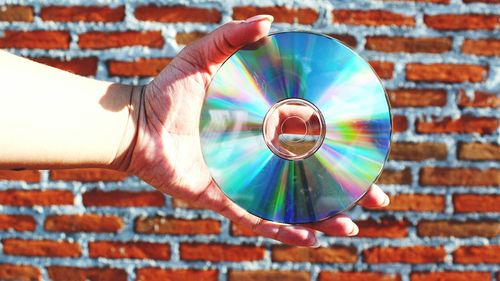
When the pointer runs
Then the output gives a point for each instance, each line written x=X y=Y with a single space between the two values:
x=166 y=225
x=465 y=124
x=66 y=273
x=482 y=1
x=185 y=38
x=83 y=223
x=408 y=45
x=357 y=276
x=19 y=272
x=37 y=39
x=444 y=228
x=418 y=151
x=395 y=177
x=413 y=254
x=87 y=175
x=389 y=228
x=332 y=254
x=139 y=67
x=450 y=276
x=36 y=197
x=399 y=123
x=417 y=97
x=459 y=176
x=280 y=14
x=347 y=39
x=16 y=13
x=178 y=203
x=177 y=14
x=106 y=40
x=18 y=247
x=482 y=47
x=462 y=21
x=24 y=175
x=120 y=198
x=239 y=230
x=416 y=203
x=267 y=275
x=81 y=66
x=480 y=99
x=17 y=222
x=478 y=151
x=220 y=252
x=83 y=13
x=383 y=69
x=446 y=73
x=477 y=254
x=154 y=274
x=476 y=203
x=129 y=250
x=372 y=18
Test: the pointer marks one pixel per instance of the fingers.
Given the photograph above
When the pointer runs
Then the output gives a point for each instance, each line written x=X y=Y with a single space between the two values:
x=340 y=225
x=374 y=198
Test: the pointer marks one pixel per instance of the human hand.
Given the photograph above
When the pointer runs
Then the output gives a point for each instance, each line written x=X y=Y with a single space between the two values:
x=166 y=152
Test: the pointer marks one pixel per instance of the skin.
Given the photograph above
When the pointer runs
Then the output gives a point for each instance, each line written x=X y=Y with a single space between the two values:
x=150 y=131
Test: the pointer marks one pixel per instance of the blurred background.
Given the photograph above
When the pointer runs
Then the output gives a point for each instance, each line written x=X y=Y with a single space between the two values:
x=440 y=63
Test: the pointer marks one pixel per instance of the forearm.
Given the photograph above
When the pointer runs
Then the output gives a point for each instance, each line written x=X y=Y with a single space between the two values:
x=53 y=119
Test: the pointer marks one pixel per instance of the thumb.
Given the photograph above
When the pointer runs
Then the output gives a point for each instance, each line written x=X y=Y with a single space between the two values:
x=216 y=47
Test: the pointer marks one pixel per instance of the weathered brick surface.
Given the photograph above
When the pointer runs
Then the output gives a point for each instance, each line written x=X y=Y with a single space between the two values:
x=280 y=14
x=267 y=275
x=177 y=13
x=85 y=66
x=417 y=203
x=220 y=252
x=153 y=274
x=372 y=18
x=129 y=250
x=446 y=73
x=165 y=225
x=413 y=254
x=19 y=247
x=453 y=228
x=66 y=273
x=139 y=67
x=17 y=222
x=83 y=223
x=19 y=272
x=408 y=44
x=107 y=40
x=92 y=174
x=83 y=13
x=333 y=254
x=417 y=97
x=13 y=13
x=357 y=276
x=14 y=197
x=449 y=276
x=119 y=198
x=417 y=151
x=462 y=21
x=36 y=39
x=476 y=203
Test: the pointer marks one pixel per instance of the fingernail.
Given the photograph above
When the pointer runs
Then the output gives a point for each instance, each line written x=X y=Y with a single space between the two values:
x=354 y=230
x=259 y=18
x=386 y=201
x=316 y=244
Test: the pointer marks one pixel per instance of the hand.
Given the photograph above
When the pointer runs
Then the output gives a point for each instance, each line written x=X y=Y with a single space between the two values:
x=167 y=152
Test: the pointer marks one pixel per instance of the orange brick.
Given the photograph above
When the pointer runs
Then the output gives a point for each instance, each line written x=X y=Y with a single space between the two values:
x=408 y=45
x=120 y=198
x=372 y=18
x=413 y=254
x=37 y=39
x=478 y=151
x=106 y=40
x=167 y=225
x=418 y=151
x=481 y=47
x=347 y=39
x=477 y=254
x=140 y=67
x=220 y=252
x=395 y=177
x=480 y=99
x=476 y=203
x=19 y=272
x=82 y=13
x=177 y=14
x=332 y=254
x=24 y=175
x=450 y=276
x=239 y=230
x=383 y=69
x=81 y=66
x=446 y=73
x=17 y=222
x=416 y=203
x=185 y=38
x=18 y=247
x=385 y=227
x=280 y=14
x=465 y=124
x=357 y=276
x=66 y=273
x=87 y=175
x=178 y=203
x=462 y=21
x=416 y=97
x=13 y=13
x=154 y=274
x=83 y=223
x=422 y=1
x=267 y=275
x=36 y=197
x=129 y=250
x=482 y=1
x=446 y=228
x=399 y=123
x=459 y=176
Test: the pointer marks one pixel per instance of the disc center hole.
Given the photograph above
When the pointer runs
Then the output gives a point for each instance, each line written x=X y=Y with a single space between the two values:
x=293 y=129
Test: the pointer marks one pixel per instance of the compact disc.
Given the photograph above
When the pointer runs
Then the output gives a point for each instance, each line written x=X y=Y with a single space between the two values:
x=295 y=128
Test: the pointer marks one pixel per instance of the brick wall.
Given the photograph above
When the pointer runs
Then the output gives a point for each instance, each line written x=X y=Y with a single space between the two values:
x=439 y=60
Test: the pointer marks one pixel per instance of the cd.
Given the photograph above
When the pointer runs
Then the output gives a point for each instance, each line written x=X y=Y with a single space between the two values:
x=295 y=127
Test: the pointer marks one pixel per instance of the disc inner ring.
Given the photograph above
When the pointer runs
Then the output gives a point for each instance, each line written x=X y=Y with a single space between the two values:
x=293 y=129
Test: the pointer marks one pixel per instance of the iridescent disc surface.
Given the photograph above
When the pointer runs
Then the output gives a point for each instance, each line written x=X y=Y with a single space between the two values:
x=295 y=169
